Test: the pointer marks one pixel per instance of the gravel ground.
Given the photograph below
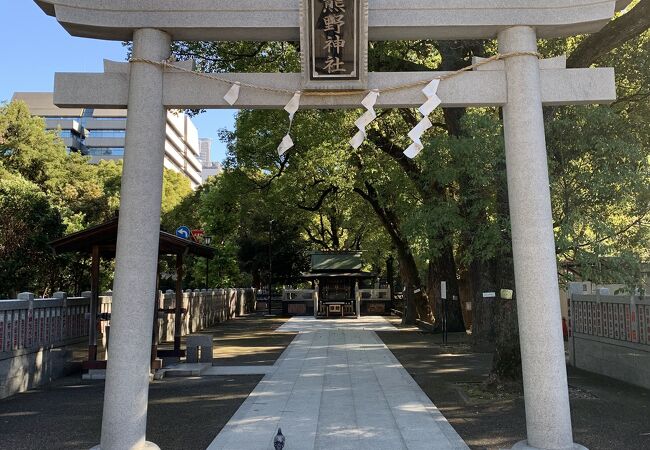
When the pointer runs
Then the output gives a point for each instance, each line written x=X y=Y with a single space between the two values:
x=607 y=414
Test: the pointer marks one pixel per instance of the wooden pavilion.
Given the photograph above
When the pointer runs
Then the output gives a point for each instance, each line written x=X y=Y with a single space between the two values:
x=337 y=276
x=100 y=243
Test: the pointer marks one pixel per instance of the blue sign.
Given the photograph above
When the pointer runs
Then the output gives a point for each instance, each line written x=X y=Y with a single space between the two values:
x=183 y=232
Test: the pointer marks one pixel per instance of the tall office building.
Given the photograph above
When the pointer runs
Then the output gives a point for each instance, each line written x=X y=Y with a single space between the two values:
x=213 y=169
x=205 y=145
x=210 y=168
x=101 y=133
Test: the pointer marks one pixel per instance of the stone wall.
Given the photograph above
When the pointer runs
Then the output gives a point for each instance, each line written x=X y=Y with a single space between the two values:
x=203 y=309
x=34 y=335
x=610 y=335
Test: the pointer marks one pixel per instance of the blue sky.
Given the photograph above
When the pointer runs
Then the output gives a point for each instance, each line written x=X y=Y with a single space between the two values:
x=35 y=46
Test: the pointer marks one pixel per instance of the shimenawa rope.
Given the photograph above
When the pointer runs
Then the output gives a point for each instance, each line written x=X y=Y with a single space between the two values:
x=166 y=64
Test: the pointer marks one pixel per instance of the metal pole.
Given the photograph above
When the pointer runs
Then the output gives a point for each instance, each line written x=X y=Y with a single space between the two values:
x=178 y=305
x=444 y=320
x=270 y=262
x=390 y=275
x=316 y=300
x=407 y=294
x=94 y=305
x=443 y=297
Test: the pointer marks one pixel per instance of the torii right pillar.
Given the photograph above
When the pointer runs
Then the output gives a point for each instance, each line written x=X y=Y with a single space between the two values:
x=548 y=417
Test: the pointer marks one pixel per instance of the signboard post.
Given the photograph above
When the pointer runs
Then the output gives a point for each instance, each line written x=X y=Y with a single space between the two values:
x=443 y=296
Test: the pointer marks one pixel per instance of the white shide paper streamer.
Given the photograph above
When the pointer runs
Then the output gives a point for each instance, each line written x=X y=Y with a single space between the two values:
x=362 y=122
x=415 y=134
x=433 y=101
x=291 y=108
x=233 y=94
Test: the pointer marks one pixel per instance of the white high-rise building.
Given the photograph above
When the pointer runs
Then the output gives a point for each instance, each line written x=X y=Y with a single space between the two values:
x=205 y=145
x=211 y=170
x=101 y=133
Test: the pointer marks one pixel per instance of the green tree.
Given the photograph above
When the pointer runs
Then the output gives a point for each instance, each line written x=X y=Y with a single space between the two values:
x=72 y=185
x=39 y=173
x=27 y=148
x=27 y=222
x=176 y=187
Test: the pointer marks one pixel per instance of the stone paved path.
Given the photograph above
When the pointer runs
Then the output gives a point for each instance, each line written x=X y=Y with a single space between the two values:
x=337 y=386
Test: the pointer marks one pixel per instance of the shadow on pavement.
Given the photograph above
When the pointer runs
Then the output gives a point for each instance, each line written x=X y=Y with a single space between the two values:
x=607 y=414
x=184 y=413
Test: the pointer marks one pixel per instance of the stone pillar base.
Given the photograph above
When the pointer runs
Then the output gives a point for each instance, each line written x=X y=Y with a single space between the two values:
x=147 y=446
x=523 y=445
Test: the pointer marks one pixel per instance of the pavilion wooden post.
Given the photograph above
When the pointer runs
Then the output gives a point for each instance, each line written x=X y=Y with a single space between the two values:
x=155 y=333
x=94 y=304
x=357 y=300
x=178 y=305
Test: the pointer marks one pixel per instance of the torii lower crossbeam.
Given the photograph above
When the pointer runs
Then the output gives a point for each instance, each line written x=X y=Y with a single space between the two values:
x=470 y=89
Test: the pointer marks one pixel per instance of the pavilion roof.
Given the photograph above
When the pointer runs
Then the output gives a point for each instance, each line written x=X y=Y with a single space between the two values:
x=359 y=274
x=105 y=236
x=341 y=261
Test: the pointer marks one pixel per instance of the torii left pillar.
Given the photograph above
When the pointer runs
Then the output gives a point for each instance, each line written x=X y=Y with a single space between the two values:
x=124 y=420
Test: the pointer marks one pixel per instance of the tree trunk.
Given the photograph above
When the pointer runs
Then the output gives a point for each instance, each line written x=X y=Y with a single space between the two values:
x=615 y=33
x=443 y=268
x=495 y=319
x=484 y=309
x=418 y=302
x=507 y=356
x=257 y=276
x=506 y=363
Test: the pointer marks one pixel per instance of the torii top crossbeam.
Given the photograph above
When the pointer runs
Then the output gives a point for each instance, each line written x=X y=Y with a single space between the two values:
x=264 y=20
x=279 y=19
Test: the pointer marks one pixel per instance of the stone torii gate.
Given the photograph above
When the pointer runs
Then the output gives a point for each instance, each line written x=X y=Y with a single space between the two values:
x=520 y=84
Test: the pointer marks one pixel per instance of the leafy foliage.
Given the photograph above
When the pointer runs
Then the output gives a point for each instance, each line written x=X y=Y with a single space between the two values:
x=27 y=222
x=446 y=214
x=46 y=193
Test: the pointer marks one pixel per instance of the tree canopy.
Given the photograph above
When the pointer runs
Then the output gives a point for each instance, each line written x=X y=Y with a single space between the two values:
x=46 y=193
x=445 y=214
